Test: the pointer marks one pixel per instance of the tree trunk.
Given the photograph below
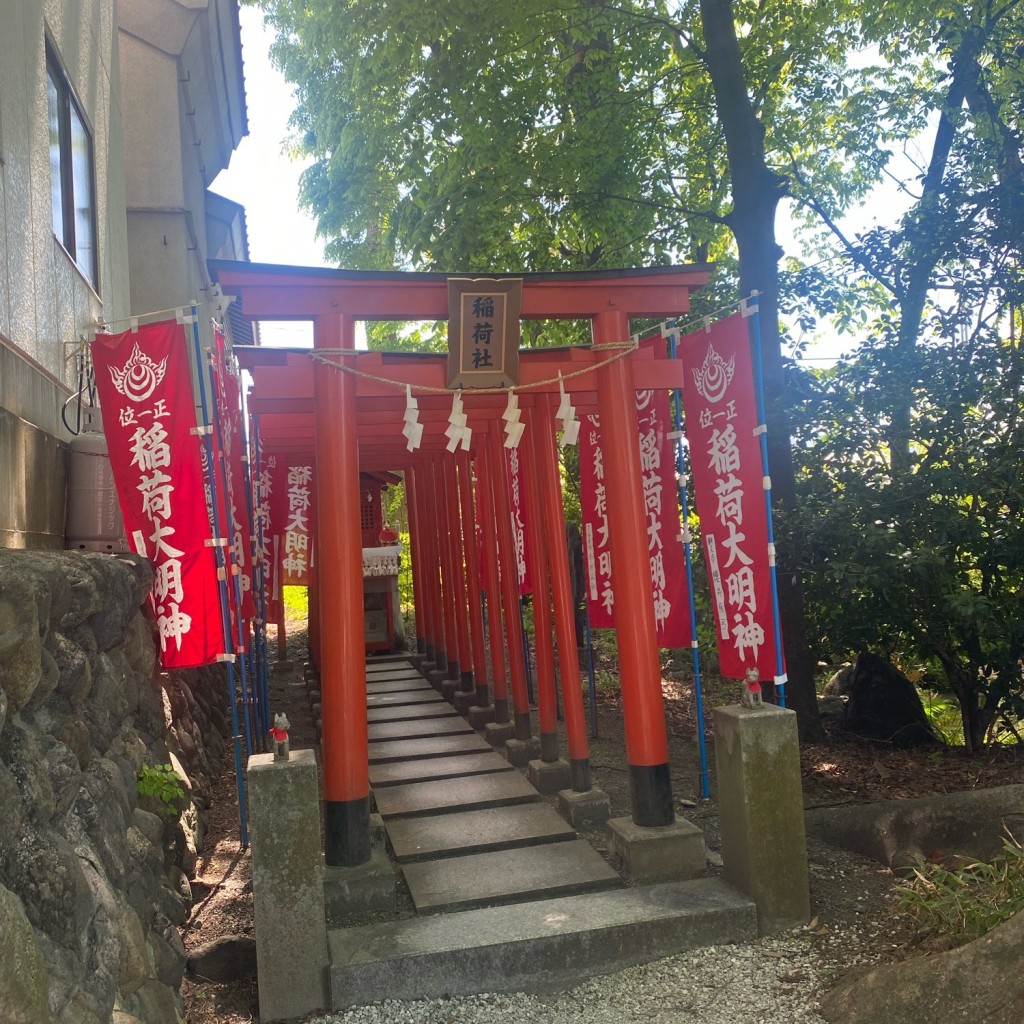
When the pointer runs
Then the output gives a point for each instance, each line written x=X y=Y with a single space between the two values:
x=756 y=191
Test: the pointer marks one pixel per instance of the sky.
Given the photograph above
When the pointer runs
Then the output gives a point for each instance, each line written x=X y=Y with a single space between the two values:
x=265 y=180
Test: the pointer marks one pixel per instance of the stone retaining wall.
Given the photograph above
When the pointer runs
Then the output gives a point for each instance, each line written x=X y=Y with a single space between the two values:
x=93 y=878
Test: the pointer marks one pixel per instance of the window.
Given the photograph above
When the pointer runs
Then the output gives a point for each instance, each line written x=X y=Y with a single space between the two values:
x=71 y=171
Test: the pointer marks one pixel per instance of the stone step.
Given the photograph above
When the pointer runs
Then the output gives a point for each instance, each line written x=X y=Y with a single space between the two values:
x=384 y=677
x=445 y=796
x=434 y=746
x=490 y=879
x=492 y=828
x=405 y=712
x=411 y=685
x=386 y=700
x=456 y=766
x=417 y=729
x=388 y=658
x=534 y=946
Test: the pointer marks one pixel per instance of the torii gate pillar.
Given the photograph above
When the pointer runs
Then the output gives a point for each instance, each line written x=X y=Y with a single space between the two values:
x=340 y=577
x=639 y=668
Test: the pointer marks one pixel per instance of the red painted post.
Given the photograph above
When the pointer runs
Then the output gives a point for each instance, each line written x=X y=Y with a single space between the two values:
x=536 y=531
x=550 y=485
x=639 y=668
x=476 y=613
x=415 y=558
x=495 y=635
x=509 y=583
x=340 y=578
x=428 y=562
x=455 y=535
x=313 y=618
x=282 y=632
x=447 y=561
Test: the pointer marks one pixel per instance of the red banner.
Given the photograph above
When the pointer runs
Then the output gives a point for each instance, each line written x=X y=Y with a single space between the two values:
x=269 y=515
x=145 y=391
x=667 y=558
x=725 y=456
x=297 y=527
x=236 y=522
x=517 y=501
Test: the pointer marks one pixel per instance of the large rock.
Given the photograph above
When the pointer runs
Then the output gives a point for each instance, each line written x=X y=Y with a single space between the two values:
x=229 y=958
x=23 y=974
x=882 y=704
x=938 y=828
x=980 y=983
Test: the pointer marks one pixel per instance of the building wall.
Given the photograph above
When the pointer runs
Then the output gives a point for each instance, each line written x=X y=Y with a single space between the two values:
x=160 y=83
x=46 y=304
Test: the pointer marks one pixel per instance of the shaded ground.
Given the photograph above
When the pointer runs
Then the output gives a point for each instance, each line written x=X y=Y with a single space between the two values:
x=852 y=897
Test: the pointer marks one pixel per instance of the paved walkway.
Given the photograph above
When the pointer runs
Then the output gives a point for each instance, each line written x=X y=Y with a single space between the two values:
x=507 y=896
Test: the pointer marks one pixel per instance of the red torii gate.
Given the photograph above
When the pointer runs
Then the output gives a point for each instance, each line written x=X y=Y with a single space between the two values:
x=312 y=402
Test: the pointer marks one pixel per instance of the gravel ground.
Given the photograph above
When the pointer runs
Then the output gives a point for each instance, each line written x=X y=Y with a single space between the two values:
x=774 y=981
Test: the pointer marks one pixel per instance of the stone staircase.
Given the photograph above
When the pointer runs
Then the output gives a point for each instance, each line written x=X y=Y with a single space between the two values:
x=507 y=896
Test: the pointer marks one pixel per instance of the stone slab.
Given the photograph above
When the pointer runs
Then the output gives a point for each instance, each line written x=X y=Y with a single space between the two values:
x=535 y=946
x=457 y=766
x=404 y=712
x=388 y=657
x=413 y=683
x=398 y=673
x=384 y=700
x=491 y=828
x=448 y=795
x=489 y=879
x=435 y=746
x=415 y=729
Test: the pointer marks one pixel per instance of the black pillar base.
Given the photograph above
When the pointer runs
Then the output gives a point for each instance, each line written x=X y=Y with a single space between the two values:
x=347 y=832
x=582 y=781
x=501 y=711
x=421 y=645
x=431 y=650
x=483 y=696
x=467 y=682
x=523 y=726
x=651 y=795
x=440 y=660
x=549 y=746
x=453 y=669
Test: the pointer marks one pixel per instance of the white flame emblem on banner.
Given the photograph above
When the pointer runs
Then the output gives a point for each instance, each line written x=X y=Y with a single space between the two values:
x=139 y=377
x=715 y=376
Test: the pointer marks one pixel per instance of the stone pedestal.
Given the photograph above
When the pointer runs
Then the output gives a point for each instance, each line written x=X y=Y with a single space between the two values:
x=450 y=688
x=368 y=888
x=548 y=776
x=586 y=811
x=499 y=733
x=463 y=700
x=519 y=752
x=478 y=717
x=288 y=885
x=662 y=853
x=762 y=812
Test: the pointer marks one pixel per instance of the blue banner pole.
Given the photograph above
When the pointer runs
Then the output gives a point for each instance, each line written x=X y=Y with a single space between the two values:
x=241 y=645
x=256 y=520
x=698 y=690
x=219 y=543
x=751 y=311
